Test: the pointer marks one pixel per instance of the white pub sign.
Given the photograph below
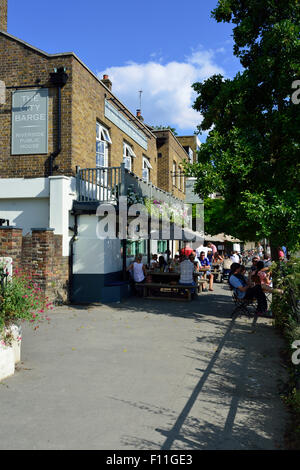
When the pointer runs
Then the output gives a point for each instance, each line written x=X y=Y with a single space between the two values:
x=29 y=122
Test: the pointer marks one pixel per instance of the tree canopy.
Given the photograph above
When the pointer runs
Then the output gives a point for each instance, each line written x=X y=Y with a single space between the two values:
x=251 y=155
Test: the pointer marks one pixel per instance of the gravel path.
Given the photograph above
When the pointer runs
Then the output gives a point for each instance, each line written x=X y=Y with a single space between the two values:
x=146 y=374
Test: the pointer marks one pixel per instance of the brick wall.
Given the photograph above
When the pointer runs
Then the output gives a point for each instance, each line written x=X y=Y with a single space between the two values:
x=169 y=151
x=21 y=65
x=88 y=108
x=3 y=15
x=82 y=105
x=11 y=243
x=189 y=141
x=40 y=254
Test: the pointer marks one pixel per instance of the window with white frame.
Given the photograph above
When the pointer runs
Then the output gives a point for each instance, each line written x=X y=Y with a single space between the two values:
x=174 y=174
x=191 y=155
x=128 y=155
x=179 y=177
x=146 y=169
x=102 y=141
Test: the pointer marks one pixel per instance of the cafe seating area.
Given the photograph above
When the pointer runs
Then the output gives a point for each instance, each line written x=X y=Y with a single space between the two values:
x=165 y=285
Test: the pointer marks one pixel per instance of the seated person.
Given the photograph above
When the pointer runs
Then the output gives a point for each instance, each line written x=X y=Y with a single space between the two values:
x=195 y=262
x=209 y=256
x=246 y=292
x=217 y=258
x=255 y=260
x=138 y=272
x=262 y=277
x=226 y=265
x=206 y=265
x=242 y=275
x=267 y=260
x=187 y=269
x=175 y=263
x=154 y=262
x=162 y=264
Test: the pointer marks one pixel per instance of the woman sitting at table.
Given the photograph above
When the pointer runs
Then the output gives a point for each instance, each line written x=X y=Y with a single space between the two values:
x=195 y=261
x=262 y=277
x=162 y=264
x=175 y=264
x=217 y=258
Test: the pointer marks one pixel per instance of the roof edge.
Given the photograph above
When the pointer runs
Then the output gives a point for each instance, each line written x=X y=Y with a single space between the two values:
x=65 y=54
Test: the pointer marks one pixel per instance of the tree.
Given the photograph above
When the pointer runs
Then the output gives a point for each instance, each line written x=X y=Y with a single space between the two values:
x=251 y=155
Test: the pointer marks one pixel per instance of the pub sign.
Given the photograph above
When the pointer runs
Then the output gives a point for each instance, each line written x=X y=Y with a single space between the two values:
x=29 y=122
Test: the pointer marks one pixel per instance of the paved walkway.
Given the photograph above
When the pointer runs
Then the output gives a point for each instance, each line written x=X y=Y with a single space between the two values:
x=146 y=374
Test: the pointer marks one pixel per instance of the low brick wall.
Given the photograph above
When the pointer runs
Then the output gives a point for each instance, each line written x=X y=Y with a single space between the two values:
x=38 y=254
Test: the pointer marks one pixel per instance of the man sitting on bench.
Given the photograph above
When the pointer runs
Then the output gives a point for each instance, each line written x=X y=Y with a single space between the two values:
x=245 y=292
x=205 y=264
x=187 y=272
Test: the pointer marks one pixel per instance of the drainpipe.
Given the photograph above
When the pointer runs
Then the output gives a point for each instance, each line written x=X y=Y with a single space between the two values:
x=58 y=150
x=58 y=78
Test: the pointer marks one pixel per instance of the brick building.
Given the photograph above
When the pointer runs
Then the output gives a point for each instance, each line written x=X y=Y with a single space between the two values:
x=191 y=145
x=171 y=157
x=66 y=144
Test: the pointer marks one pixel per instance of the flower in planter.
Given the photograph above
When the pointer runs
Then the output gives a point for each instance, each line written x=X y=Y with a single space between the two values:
x=17 y=305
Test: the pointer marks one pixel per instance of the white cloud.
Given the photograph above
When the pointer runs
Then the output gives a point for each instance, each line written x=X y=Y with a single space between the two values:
x=167 y=96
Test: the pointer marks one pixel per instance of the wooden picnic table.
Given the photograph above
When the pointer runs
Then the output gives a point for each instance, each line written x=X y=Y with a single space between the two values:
x=164 y=280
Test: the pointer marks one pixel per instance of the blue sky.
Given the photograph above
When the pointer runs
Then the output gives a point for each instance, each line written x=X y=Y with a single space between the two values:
x=160 y=47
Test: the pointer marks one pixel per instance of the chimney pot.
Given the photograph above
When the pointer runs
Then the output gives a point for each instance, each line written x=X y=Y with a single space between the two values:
x=106 y=81
x=139 y=115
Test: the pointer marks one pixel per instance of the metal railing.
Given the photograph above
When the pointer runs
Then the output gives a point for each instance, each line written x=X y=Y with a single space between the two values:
x=147 y=189
x=98 y=184
x=106 y=184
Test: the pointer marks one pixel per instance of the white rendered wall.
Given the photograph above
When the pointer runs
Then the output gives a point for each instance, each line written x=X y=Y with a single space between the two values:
x=39 y=203
x=62 y=193
x=25 y=213
x=93 y=255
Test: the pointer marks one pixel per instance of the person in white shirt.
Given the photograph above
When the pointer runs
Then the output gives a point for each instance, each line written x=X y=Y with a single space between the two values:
x=201 y=248
x=235 y=257
x=154 y=262
x=138 y=271
x=187 y=269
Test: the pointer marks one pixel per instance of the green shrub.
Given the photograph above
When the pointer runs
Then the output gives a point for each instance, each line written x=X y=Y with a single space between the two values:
x=21 y=299
x=285 y=309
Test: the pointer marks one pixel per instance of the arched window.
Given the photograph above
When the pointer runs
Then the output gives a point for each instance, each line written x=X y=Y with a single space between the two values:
x=102 y=141
x=128 y=154
x=146 y=169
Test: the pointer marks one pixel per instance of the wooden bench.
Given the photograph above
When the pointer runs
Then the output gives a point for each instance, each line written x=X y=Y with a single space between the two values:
x=168 y=289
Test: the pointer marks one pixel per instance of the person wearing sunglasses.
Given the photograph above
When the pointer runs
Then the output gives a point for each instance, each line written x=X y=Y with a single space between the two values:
x=204 y=262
